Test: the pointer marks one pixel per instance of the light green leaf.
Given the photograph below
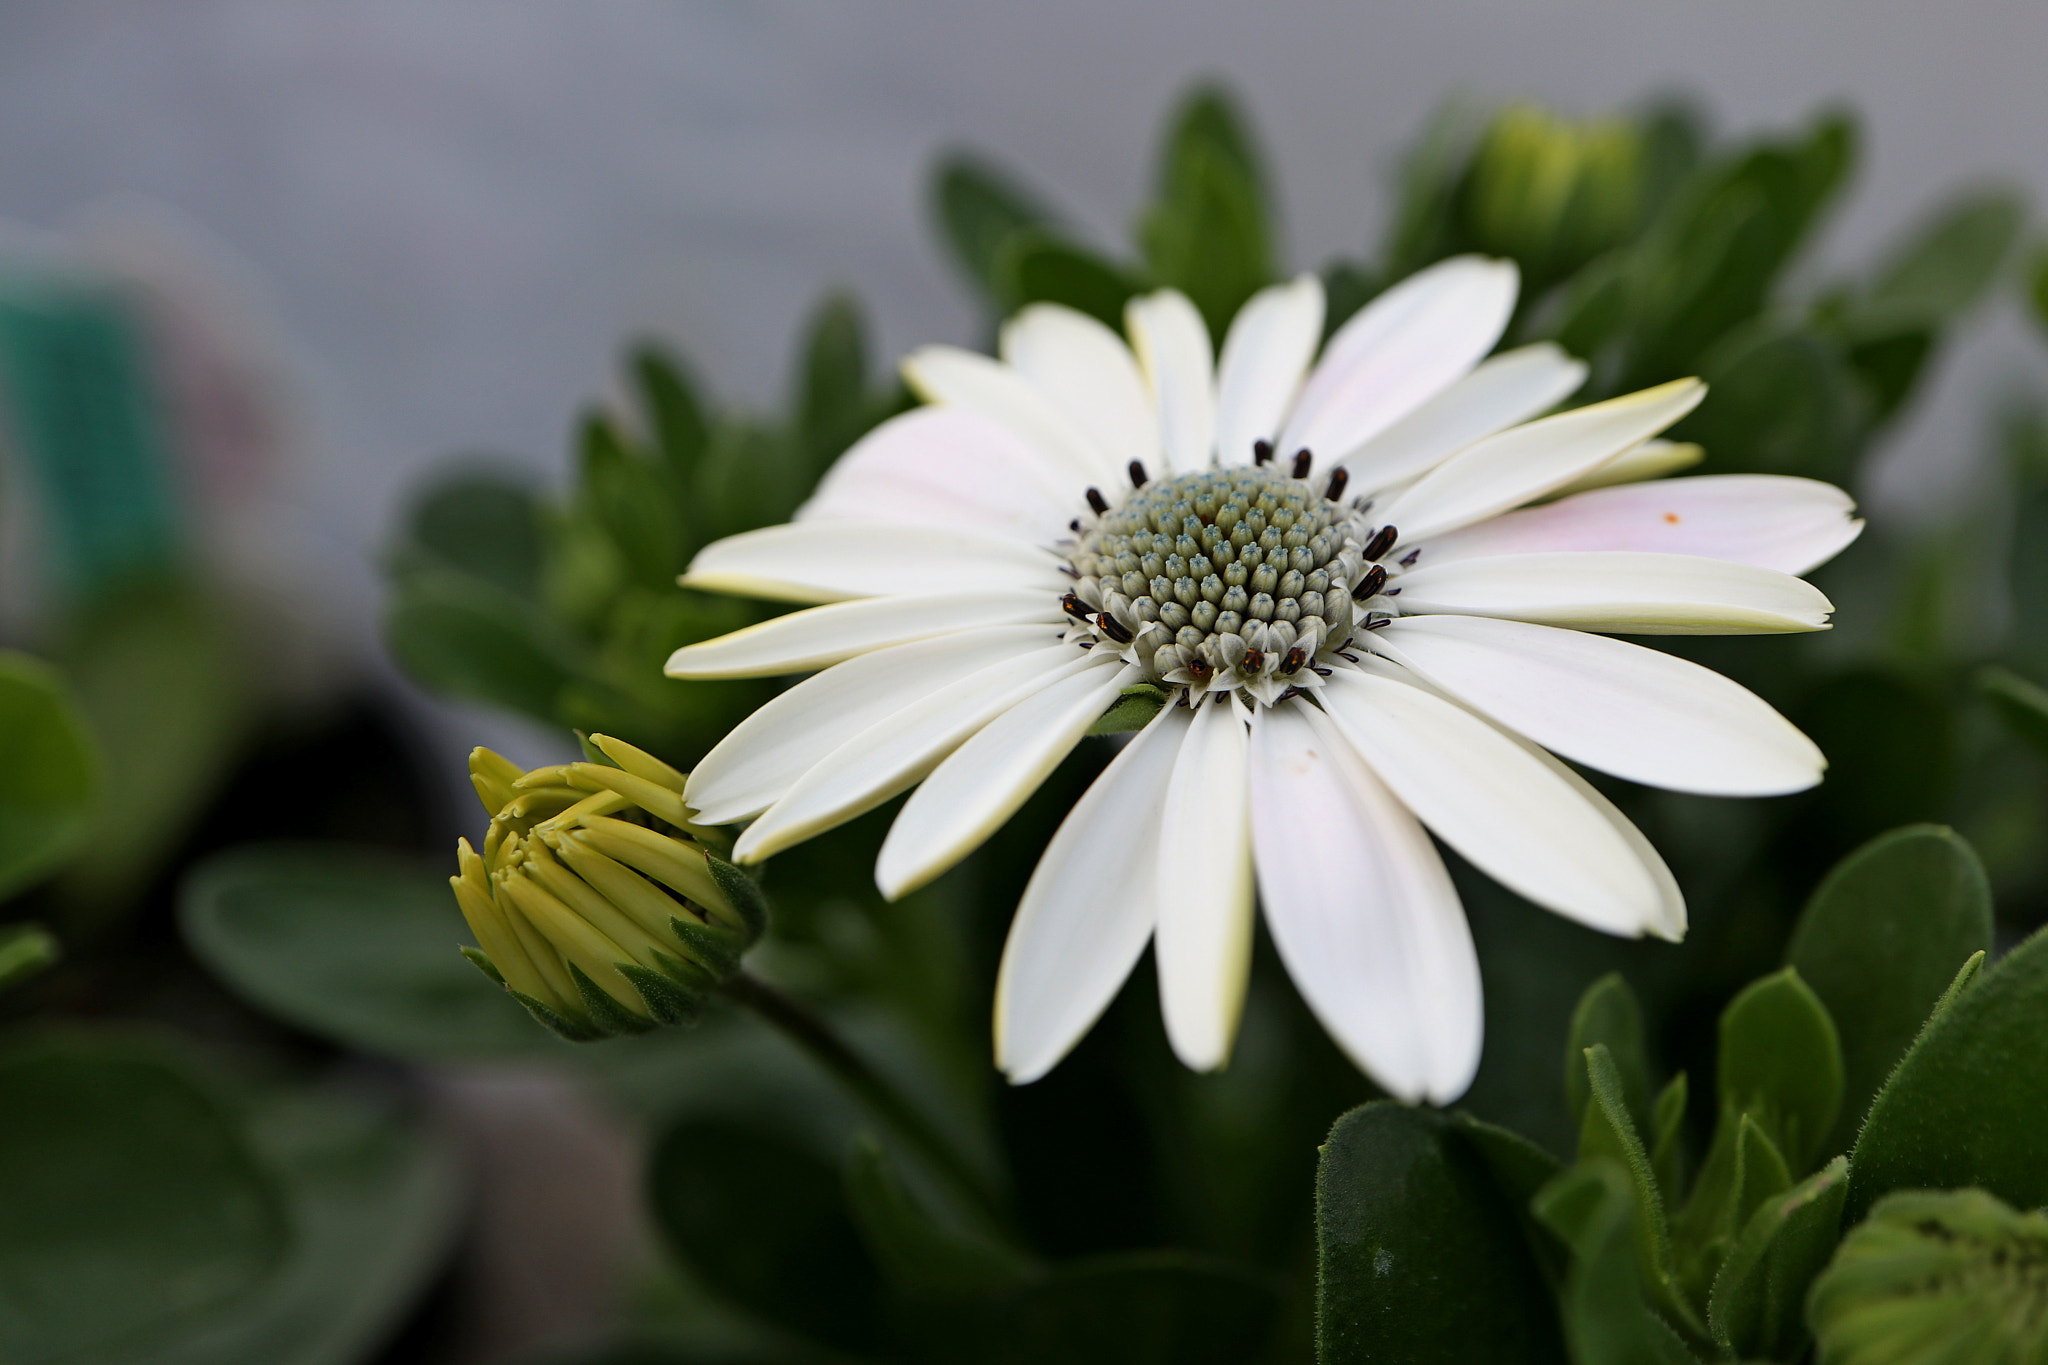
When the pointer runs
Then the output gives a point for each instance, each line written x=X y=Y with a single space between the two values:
x=1420 y=1257
x=52 y=772
x=1608 y=1014
x=1758 y=1303
x=356 y=945
x=1881 y=938
x=131 y=1206
x=1968 y=1102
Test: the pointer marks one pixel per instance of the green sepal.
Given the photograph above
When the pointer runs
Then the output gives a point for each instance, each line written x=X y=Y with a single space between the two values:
x=744 y=896
x=1667 y=1126
x=666 y=1000
x=1608 y=1014
x=483 y=963
x=561 y=1025
x=716 y=952
x=1757 y=1305
x=608 y=1014
x=1133 y=709
x=25 y=951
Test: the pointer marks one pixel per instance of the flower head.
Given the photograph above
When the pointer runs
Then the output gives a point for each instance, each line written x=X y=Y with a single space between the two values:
x=1363 y=591
x=595 y=900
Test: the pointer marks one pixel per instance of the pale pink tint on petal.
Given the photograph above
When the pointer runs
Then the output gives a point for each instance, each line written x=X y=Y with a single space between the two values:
x=1768 y=520
x=949 y=467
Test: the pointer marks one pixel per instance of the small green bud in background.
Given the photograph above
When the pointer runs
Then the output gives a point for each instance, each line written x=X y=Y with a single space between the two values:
x=596 y=901
x=1936 y=1275
x=1550 y=193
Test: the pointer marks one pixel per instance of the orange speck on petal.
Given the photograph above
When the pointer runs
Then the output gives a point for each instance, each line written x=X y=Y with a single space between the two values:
x=1671 y=517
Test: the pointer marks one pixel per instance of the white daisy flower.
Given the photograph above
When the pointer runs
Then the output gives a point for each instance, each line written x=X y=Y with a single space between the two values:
x=1322 y=564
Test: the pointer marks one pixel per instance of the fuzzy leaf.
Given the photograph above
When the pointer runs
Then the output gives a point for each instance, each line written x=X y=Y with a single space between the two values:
x=1758 y=1304
x=1608 y=1014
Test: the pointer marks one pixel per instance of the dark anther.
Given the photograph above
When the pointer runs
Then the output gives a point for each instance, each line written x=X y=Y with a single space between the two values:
x=1337 y=481
x=1369 y=586
x=1254 y=660
x=1070 y=571
x=1262 y=452
x=1381 y=542
x=1377 y=622
x=1075 y=526
x=1097 y=501
x=1347 y=656
x=1137 y=472
x=1074 y=607
x=1322 y=672
x=1112 y=627
x=1198 y=669
x=1393 y=592
x=1302 y=460
x=1086 y=644
x=1408 y=560
x=1289 y=695
x=1291 y=662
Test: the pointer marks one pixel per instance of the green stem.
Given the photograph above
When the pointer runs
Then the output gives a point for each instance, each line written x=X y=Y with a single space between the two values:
x=883 y=1100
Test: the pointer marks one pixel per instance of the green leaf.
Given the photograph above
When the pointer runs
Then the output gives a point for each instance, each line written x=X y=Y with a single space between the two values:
x=1780 y=401
x=1591 y=1207
x=1967 y=1102
x=979 y=208
x=26 y=950
x=831 y=401
x=922 y=1256
x=1608 y=1014
x=353 y=944
x=1780 y=1063
x=2020 y=704
x=633 y=500
x=374 y=1200
x=1760 y=1171
x=1667 y=1128
x=1037 y=268
x=1208 y=232
x=763 y=1222
x=463 y=639
x=676 y=417
x=1133 y=709
x=1872 y=788
x=130 y=1204
x=52 y=772
x=751 y=475
x=1420 y=1257
x=1881 y=938
x=1758 y=1302
x=477 y=522
x=1609 y=1135
x=1143 y=1308
x=1950 y=261
x=1936 y=1275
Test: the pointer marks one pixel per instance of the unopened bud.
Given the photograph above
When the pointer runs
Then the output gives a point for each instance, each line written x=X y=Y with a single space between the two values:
x=597 y=901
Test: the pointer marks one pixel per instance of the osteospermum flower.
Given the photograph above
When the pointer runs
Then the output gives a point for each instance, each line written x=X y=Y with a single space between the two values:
x=1364 y=620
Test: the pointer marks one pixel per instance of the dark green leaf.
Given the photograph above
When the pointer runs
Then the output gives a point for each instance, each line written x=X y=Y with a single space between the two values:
x=675 y=415
x=1609 y=1135
x=480 y=523
x=52 y=772
x=1036 y=268
x=923 y=1256
x=1779 y=401
x=1759 y=1298
x=1872 y=788
x=1780 y=1062
x=374 y=1199
x=25 y=951
x=1967 y=1103
x=1607 y=1013
x=130 y=1205
x=1208 y=233
x=1667 y=1128
x=633 y=500
x=751 y=475
x=1132 y=710
x=1347 y=287
x=1421 y=1258
x=2022 y=705
x=1144 y=1308
x=1946 y=266
x=1879 y=941
x=462 y=639
x=764 y=1223
x=1760 y=1171
x=356 y=945
x=832 y=406
x=1606 y=1321
x=2037 y=284
x=979 y=208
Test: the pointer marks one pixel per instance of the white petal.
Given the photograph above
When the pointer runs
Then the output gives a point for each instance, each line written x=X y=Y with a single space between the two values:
x=1488 y=797
x=1362 y=911
x=1535 y=458
x=949 y=467
x=894 y=754
x=818 y=636
x=984 y=781
x=1609 y=704
x=1620 y=592
x=1089 y=908
x=1204 y=935
x=1399 y=351
x=1505 y=390
x=1650 y=460
x=1172 y=344
x=755 y=764
x=1089 y=376
x=837 y=561
x=1266 y=353
x=952 y=377
x=1769 y=520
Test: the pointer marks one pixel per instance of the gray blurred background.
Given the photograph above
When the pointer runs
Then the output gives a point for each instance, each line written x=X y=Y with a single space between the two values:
x=457 y=211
